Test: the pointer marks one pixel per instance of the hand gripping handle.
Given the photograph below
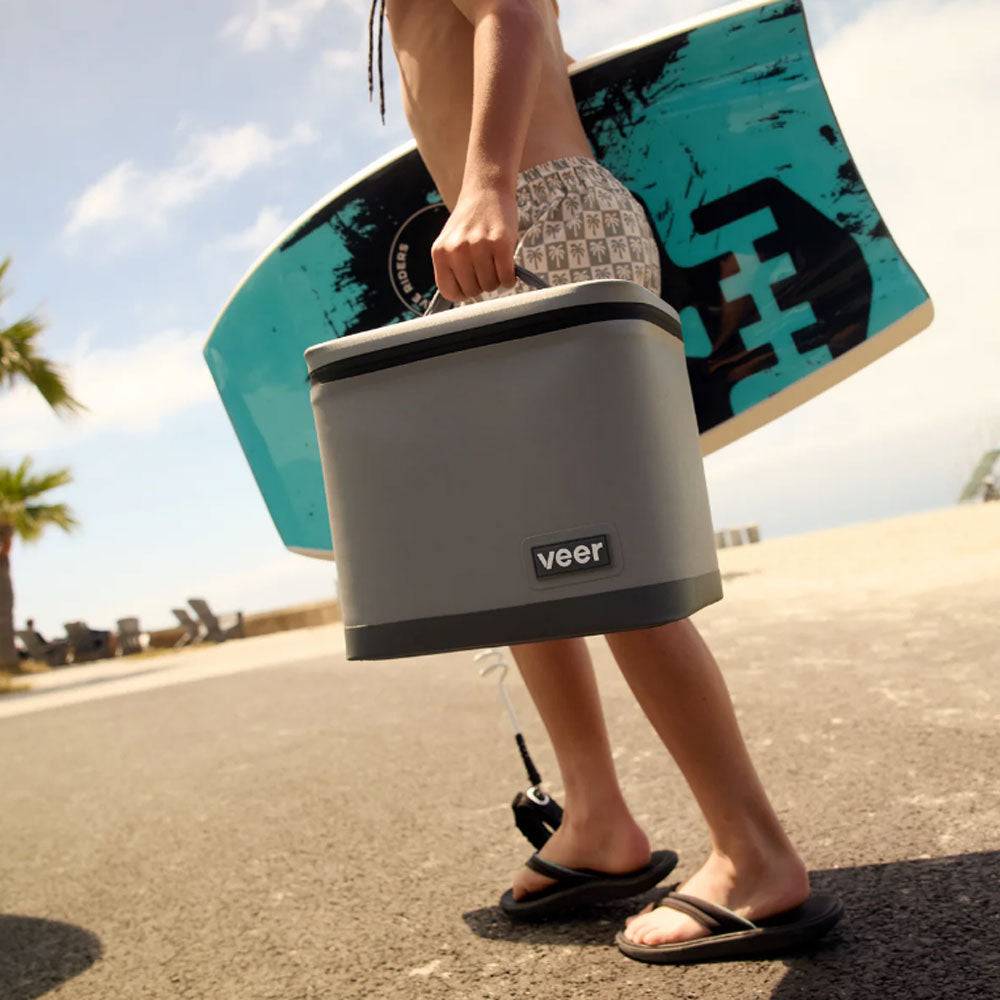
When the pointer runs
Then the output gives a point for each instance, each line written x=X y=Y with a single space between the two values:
x=439 y=304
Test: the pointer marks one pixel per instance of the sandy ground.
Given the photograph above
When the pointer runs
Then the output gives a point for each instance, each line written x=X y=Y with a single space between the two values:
x=875 y=563
x=267 y=820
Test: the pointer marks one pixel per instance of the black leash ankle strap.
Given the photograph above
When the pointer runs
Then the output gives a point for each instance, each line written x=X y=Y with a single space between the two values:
x=537 y=817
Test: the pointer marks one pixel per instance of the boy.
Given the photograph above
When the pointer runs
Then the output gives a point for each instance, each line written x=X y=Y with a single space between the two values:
x=487 y=95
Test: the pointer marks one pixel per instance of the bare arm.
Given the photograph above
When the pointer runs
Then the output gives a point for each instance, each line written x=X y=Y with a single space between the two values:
x=475 y=251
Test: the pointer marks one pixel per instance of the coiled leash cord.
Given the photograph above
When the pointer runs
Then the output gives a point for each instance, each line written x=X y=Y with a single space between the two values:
x=536 y=814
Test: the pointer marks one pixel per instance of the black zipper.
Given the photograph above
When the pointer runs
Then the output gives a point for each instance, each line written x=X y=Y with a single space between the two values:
x=493 y=333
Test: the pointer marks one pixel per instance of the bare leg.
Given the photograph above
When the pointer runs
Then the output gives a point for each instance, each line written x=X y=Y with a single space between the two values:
x=597 y=830
x=753 y=867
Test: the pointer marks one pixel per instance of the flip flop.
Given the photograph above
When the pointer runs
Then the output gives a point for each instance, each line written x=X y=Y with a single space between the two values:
x=583 y=886
x=732 y=936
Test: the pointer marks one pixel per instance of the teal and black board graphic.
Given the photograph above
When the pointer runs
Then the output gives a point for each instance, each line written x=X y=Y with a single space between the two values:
x=784 y=273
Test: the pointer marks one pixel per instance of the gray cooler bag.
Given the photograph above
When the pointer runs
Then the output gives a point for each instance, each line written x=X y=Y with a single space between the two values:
x=521 y=469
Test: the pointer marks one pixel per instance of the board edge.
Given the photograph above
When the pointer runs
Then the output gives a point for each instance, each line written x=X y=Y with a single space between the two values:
x=325 y=554
x=356 y=178
x=814 y=55
x=831 y=374
x=660 y=34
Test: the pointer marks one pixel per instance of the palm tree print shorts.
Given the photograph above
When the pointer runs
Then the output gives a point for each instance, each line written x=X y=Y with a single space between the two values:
x=577 y=222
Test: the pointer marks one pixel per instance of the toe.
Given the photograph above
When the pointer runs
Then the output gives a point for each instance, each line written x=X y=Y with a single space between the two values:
x=662 y=926
x=635 y=922
x=527 y=882
x=635 y=929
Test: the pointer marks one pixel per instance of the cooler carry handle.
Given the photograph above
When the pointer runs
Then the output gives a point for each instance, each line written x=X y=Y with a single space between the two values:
x=440 y=304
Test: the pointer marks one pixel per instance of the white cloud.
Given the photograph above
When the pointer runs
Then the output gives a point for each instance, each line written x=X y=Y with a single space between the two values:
x=269 y=24
x=131 y=390
x=339 y=60
x=270 y=223
x=130 y=198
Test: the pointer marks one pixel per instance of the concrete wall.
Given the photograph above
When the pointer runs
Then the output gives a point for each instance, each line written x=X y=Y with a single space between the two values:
x=286 y=619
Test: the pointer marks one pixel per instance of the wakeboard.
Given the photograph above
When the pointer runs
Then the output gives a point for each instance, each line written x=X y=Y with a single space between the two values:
x=785 y=276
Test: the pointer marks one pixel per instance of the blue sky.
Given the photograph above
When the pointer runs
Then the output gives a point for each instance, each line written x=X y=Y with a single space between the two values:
x=153 y=151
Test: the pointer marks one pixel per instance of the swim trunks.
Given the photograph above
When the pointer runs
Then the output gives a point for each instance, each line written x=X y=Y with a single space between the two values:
x=578 y=222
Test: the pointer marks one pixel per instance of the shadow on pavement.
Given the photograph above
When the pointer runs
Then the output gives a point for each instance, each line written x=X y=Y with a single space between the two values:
x=919 y=930
x=591 y=926
x=923 y=930
x=38 y=955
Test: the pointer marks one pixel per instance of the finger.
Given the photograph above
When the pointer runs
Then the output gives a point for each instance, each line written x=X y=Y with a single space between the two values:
x=465 y=274
x=446 y=283
x=454 y=274
x=486 y=268
x=504 y=258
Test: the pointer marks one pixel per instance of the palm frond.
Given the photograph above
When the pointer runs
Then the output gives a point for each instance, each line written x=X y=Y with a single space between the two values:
x=20 y=360
x=34 y=520
x=4 y=264
x=37 y=485
x=49 y=380
x=19 y=491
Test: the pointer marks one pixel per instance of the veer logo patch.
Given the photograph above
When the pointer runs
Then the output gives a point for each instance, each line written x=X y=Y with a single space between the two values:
x=576 y=556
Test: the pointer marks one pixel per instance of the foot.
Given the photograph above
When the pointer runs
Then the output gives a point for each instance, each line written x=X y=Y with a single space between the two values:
x=615 y=849
x=764 y=889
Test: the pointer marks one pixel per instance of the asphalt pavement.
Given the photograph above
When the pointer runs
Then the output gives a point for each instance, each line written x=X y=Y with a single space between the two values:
x=268 y=820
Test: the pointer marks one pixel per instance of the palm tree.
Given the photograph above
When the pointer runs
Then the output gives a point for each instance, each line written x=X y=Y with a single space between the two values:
x=20 y=512
x=20 y=360
x=23 y=515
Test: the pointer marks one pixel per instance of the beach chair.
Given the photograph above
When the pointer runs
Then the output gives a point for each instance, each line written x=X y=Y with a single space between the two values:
x=193 y=631
x=88 y=644
x=218 y=628
x=53 y=654
x=130 y=638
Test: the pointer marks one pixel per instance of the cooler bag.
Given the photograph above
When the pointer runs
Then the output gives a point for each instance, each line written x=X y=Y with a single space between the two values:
x=521 y=469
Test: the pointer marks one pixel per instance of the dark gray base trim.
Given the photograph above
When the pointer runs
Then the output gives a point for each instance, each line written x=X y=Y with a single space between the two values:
x=564 y=618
